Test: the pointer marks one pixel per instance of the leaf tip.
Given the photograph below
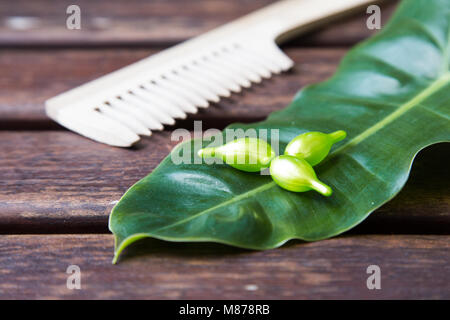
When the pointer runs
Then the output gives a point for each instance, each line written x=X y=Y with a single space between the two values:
x=115 y=258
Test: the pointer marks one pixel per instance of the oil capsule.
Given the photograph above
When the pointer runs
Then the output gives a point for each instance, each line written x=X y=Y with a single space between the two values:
x=313 y=146
x=294 y=174
x=245 y=154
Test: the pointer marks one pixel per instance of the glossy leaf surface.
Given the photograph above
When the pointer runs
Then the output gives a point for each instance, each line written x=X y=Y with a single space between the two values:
x=392 y=96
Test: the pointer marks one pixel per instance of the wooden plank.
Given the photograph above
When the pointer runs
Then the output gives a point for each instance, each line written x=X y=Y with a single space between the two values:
x=412 y=267
x=59 y=182
x=140 y=22
x=29 y=77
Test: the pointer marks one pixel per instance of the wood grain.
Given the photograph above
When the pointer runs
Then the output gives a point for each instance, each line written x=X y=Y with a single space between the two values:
x=29 y=77
x=61 y=186
x=413 y=267
x=155 y=23
x=55 y=181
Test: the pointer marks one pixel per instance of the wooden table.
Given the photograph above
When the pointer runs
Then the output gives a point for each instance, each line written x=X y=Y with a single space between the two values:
x=57 y=188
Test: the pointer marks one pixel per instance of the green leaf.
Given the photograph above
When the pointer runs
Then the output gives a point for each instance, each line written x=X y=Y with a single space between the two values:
x=391 y=94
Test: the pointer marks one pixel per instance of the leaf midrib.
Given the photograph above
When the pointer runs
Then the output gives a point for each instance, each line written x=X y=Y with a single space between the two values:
x=416 y=100
x=423 y=95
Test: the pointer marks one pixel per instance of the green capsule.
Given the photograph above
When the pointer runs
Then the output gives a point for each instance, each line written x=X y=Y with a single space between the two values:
x=295 y=174
x=246 y=154
x=313 y=146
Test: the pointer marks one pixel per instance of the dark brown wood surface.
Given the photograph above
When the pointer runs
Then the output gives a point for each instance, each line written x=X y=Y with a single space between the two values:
x=57 y=188
x=154 y=23
x=413 y=266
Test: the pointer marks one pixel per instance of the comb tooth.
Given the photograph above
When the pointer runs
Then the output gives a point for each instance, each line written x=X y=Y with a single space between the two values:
x=154 y=112
x=124 y=118
x=94 y=125
x=236 y=77
x=213 y=77
x=273 y=67
x=267 y=63
x=194 y=86
x=181 y=102
x=276 y=66
x=237 y=73
x=130 y=112
x=189 y=95
x=137 y=112
x=280 y=57
x=276 y=57
x=223 y=72
x=249 y=64
x=238 y=67
x=260 y=66
x=172 y=109
x=227 y=81
x=249 y=71
x=191 y=74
